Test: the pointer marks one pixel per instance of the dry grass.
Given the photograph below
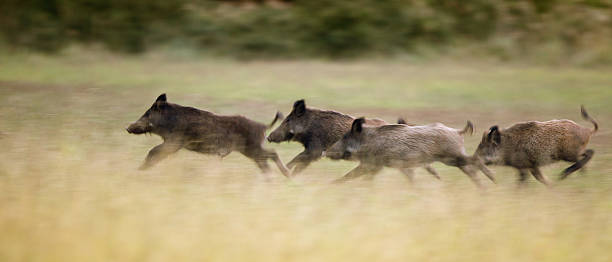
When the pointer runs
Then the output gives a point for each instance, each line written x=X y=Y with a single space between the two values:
x=69 y=189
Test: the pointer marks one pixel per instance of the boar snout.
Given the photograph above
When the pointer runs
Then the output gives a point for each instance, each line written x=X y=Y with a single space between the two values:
x=277 y=137
x=138 y=128
x=272 y=138
x=134 y=129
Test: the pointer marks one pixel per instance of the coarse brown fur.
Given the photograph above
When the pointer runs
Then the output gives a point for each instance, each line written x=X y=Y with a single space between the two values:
x=203 y=132
x=404 y=147
x=316 y=130
x=529 y=145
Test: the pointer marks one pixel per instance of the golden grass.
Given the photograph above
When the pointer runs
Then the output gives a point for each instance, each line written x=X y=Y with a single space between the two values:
x=83 y=200
x=65 y=209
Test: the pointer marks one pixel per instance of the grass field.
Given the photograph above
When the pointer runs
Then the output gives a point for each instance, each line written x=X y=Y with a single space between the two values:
x=70 y=191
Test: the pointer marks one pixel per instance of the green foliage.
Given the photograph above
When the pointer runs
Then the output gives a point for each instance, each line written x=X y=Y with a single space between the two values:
x=50 y=24
x=264 y=32
x=337 y=28
x=340 y=29
x=476 y=18
x=324 y=28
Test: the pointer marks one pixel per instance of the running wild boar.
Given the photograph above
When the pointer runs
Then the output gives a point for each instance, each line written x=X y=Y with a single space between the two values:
x=203 y=132
x=404 y=147
x=316 y=130
x=529 y=145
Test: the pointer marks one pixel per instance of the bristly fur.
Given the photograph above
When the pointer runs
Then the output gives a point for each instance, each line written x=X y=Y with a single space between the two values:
x=203 y=132
x=404 y=147
x=529 y=145
x=316 y=129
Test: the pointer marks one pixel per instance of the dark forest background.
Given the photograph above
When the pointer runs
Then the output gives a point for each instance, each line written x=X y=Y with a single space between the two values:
x=315 y=28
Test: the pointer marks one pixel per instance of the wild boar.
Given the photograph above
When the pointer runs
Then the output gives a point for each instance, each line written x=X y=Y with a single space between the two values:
x=316 y=130
x=530 y=145
x=203 y=132
x=404 y=147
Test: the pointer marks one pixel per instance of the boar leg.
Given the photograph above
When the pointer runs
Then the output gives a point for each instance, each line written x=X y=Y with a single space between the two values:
x=523 y=175
x=538 y=175
x=463 y=160
x=274 y=156
x=471 y=174
x=360 y=170
x=409 y=172
x=586 y=156
x=281 y=166
x=263 y=165
x=466 y=165
x=477 y=161
x=432 y=171
x=158 y=153
x=302 y=160
x=261 y=156
x=485 y=170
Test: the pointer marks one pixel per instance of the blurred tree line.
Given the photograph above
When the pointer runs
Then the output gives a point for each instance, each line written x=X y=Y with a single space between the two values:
x=300 y=28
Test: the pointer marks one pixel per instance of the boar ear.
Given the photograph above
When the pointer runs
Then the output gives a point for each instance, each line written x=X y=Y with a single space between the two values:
x=161 y=98
x=160 y=101
x=299 y=107
x=494 y=135
x=357 y=126
x=279 y=115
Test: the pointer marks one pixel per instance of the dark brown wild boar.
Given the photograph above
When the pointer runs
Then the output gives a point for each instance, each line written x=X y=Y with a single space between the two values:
x=529 y=145
x=203 y=132
x=316 y=130
x=404 y=147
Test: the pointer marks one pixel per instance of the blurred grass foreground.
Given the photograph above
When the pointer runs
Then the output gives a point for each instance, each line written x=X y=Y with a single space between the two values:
x=549 y=31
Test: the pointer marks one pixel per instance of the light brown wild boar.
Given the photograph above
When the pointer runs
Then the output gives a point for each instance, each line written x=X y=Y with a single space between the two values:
x=316 y=130
x=203 y=132
x=404 y=147
x=529 y=145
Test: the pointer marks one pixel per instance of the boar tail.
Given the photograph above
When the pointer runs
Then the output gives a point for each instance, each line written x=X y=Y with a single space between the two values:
x=402 y=121
x=278 y=117
x=586 y=116
x=468 y=128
